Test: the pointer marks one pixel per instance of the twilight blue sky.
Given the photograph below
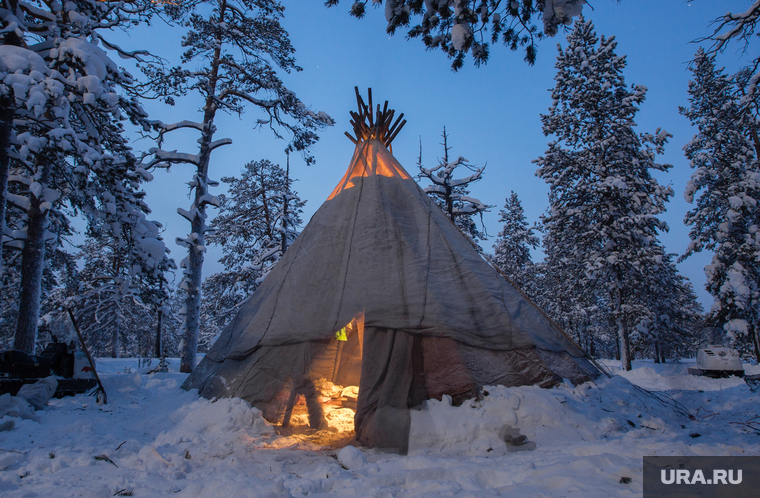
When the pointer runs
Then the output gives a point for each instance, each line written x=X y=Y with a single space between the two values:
x=492 y=113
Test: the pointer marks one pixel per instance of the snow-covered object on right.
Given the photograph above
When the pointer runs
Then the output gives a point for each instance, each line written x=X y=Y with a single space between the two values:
x=718 y=361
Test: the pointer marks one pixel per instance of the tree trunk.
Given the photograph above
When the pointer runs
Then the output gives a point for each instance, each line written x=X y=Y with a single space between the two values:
x=756 y=341
x=265 y=205
x=284 y=234
x=194 y=272
x=450 y=204
x=115 y=346
x=6 y=125
x=656 y=350
x=197 y=240
x=32 y=266
x=625 y=350
x=159 y=347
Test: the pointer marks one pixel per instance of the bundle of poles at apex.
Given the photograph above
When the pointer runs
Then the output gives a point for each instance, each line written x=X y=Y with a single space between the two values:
x=368 y=124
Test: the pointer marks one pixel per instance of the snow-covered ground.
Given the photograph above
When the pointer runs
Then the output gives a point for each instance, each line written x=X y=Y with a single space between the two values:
x=153 y=439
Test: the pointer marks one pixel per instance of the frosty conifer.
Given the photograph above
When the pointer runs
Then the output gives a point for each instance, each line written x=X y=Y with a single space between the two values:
x=725 y=190
x=460 y=26
x=513 y=245
x=118 y=296
x=67 y=143
x=258 y=220
x=667 y=327
x=570 y=301
x=603 y=198
x=738 y=27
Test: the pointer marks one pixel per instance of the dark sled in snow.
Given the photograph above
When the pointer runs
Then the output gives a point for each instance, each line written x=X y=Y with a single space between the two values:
x=71 y=369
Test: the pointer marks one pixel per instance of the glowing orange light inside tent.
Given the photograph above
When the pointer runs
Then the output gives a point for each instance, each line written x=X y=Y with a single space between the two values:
x=327 y=400
x=370 y=158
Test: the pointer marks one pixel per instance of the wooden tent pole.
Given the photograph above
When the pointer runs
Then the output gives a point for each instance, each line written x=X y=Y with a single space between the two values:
x=89 y=358
x=370 y=121
x=338 y=356
x=289 y=406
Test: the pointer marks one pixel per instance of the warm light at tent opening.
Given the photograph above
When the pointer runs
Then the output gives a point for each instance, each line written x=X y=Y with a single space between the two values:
x=320 y=407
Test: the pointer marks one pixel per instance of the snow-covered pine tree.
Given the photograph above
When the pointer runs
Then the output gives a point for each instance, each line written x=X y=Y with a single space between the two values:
x=513 y=245
x=20 y=63
x=568 y=300
x=234 y=49
x=667 y=329
x=107 y=305
x=725 y=188
x=459 y=26
x=451 y=194
x=604 y=200
x=60 y=271
x=34 y=96
x=171 y=322
x=258 y=220
x=59 y=265
x=121 y=290
x=68 y=134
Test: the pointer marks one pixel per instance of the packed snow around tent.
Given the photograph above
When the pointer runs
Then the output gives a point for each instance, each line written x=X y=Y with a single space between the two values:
x=154 y=439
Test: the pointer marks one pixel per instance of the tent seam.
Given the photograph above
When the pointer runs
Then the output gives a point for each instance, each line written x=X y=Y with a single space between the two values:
x=427 y=269
x=350 y=249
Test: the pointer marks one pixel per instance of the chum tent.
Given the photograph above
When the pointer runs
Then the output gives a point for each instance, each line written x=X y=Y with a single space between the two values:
x=382 y=291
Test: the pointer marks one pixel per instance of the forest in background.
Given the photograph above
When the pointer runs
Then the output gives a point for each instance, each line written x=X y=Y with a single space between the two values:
x=70 y=114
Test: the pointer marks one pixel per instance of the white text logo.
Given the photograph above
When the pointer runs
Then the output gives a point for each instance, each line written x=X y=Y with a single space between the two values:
x=683 y=476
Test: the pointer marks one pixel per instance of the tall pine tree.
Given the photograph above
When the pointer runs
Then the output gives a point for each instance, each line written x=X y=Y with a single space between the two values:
x=725 y=190
x=569 y=300
x=234 y=49
x=667 y=328
x=67 y=143
x=604 y=200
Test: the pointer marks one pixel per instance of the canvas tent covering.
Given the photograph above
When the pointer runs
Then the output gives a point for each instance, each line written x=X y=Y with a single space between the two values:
x=381 y=290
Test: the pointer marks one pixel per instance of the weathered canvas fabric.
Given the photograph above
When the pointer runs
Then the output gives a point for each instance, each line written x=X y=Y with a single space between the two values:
x=437 y=318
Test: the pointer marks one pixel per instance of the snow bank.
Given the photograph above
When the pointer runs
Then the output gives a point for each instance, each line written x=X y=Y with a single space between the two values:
x=156 y=440
x=592 y=412
x=152 y=433
x=351 y=458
